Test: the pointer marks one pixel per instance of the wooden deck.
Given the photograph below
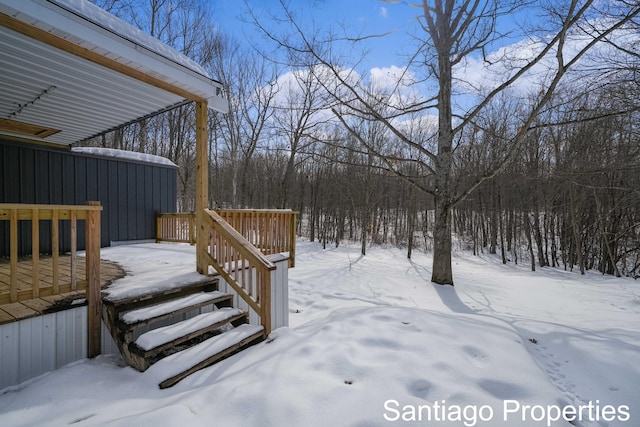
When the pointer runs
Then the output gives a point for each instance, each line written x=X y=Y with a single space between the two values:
x=46 y=301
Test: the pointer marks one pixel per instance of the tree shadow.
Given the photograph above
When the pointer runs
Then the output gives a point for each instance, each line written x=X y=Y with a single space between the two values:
x=447 y=293
x=450 y=298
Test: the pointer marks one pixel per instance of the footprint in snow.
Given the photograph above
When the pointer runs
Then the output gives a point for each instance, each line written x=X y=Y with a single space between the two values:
x=419 y=388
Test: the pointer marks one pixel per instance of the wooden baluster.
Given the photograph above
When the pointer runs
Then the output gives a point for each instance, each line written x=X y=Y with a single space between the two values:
x=13 y=244
x=250 y=283
x=245 y=277
x=35 y=253
x=218 y=249
x=239 y=264
x=275 y=238
x=74 y=250
x=55 y=250
x=283 y=232
x=264 y=226
x=275 y=233
x=192 y=229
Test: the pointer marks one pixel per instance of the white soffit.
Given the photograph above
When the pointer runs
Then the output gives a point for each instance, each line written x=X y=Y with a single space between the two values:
x=48 y=87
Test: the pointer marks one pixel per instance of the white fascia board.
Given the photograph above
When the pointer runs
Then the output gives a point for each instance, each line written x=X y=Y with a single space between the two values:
x=53 y=18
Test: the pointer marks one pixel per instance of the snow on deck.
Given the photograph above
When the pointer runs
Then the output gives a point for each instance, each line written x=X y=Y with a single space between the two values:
x=372 y=338
x=161 y=309
x=152 y=267
x=160 y=336
x=183 y=360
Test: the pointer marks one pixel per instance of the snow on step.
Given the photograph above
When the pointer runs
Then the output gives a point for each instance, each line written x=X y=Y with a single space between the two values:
x=156 y=310
x=179 y=362
x=160 y=336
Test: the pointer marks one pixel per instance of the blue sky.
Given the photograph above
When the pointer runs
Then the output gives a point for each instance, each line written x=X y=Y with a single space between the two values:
x=473 y=75
x=359 y=16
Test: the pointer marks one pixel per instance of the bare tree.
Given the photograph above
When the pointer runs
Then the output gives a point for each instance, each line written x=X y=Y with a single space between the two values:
x=250 y=81
x=454 y=30
x=296 y=117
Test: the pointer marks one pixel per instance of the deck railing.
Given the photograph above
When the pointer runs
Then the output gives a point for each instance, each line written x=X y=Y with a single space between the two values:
x=270 y=230
x=40 y=285
x=176 y=227
x=242 y=265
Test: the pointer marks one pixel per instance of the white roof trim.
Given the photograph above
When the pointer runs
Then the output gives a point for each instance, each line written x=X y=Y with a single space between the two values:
x=88 y=26
x=117 y=26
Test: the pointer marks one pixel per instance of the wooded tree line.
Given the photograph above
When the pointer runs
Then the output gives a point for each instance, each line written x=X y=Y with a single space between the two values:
x=568 y=196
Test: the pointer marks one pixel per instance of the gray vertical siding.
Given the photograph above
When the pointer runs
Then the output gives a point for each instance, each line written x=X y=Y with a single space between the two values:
x=32 y=347
x=130 y=192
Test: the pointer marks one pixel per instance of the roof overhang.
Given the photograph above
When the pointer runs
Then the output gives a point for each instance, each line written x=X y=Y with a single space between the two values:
x=71 y=71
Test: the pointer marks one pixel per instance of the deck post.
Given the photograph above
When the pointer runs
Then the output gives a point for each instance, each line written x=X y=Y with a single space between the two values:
x=292 y=239
x=202 y=187
x=94 y=300
x=265 y=300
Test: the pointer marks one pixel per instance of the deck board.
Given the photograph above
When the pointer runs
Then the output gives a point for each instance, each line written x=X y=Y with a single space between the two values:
x=17 y=310
x=27 y=306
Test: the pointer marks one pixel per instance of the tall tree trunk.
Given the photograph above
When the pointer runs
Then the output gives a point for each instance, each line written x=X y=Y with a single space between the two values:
x=510 y=230
x=527 y=231
x=576 y=233
x=538 y=235
x=474 y=232
x=501 y=226
x=442 y=273
x=410 y=224
x=493 y=215
x=554 y=245
x=605 y=238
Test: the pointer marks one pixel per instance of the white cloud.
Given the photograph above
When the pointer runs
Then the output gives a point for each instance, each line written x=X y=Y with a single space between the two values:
x=388 y=78
x=397 y=85
x=290 y=98
x=384 y=12
x=477 y=75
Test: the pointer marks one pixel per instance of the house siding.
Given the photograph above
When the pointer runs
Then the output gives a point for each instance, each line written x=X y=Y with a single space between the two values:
x=130 y=192
x=34 y=346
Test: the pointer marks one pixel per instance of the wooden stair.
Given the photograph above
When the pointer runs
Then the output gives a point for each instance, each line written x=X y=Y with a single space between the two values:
x=163 y=327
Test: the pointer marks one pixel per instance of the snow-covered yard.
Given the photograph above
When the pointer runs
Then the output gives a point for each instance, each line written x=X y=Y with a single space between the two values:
x=373 y=343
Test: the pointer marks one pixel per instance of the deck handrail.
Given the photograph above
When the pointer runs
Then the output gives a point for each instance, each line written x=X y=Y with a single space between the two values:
x=35 y=213
x=176 y=227
x=270 y=230
x=244 y=267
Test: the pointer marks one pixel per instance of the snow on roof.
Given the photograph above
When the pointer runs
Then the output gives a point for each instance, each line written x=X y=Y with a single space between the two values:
x=104 y=19
x=125 y=155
